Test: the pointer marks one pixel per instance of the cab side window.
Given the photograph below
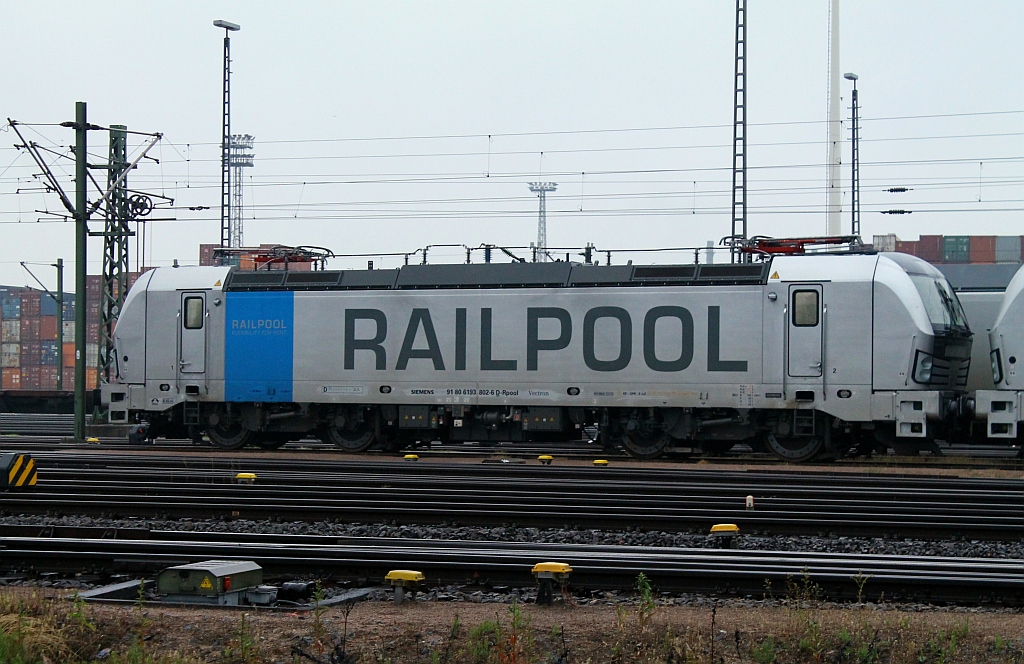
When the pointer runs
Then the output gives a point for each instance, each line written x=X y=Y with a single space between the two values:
x=194 y=313
x=805 y=308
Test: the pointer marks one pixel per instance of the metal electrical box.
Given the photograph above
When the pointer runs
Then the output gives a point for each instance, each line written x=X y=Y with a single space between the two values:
x=213 y=581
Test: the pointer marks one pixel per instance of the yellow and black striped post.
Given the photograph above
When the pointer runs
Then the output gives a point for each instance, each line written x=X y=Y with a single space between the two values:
x=18 y=471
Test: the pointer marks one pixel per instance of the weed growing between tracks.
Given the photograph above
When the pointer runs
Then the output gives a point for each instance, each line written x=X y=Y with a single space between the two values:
x=37 y=628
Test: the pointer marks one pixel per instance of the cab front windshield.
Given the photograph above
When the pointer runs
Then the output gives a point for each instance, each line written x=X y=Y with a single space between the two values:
x=940 y=302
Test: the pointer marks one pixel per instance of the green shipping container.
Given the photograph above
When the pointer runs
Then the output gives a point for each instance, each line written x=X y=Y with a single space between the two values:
x=956 y=249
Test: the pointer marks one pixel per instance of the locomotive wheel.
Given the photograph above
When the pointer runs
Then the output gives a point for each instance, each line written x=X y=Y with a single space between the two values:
x=647 y=439
x=792 y=448
x=229 y=437
x=645 y=444
x=351 y=439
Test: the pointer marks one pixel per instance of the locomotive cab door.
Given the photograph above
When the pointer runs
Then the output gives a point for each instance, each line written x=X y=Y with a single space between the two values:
x=805 y=331
x=192 y=336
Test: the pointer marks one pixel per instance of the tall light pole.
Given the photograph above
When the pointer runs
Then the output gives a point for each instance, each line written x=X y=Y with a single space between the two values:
x=225 y=137
x=541 y=189
x=835 y=194
x=855 y=159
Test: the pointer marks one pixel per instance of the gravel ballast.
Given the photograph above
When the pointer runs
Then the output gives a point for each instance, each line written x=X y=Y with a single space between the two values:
x=859 y=545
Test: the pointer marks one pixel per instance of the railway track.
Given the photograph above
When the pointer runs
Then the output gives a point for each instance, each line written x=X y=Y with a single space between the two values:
x=37 y=424
x=428 y=492
x=998 y=457
x=838 y=576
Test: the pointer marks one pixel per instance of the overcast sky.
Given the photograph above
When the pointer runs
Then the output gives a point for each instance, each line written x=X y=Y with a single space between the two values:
x=387 y=126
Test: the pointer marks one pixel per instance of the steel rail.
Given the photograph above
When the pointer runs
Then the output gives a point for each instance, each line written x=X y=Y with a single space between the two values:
x=634 y=497
x=489 y=513
x=627 y=482
x=541 y=501
x=595 y=567
x=541 y=480
x=397 y=469
x=957 y=456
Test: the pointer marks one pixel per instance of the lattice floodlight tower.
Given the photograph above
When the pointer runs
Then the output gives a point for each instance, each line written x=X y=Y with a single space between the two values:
x=541 y=189
x=239 y=156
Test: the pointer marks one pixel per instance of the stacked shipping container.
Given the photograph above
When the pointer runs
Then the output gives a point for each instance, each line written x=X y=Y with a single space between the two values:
x=31 y=333
x=957 y=248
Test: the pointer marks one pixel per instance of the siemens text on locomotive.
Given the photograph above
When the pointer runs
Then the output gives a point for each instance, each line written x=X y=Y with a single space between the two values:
x=804 y=355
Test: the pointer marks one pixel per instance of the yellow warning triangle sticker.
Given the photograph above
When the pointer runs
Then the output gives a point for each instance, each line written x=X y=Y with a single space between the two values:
x=206 y=585
x=775 y=275
x=218 y=283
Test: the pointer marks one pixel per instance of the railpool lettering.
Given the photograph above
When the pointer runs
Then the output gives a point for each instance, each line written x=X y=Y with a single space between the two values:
x=715 y=363
x=625 y=338
x=420 y=318
x=685 y=341
x=366 y=331
x=258 y=324
x=487 y=361
x=534 y=344
x=375 y=344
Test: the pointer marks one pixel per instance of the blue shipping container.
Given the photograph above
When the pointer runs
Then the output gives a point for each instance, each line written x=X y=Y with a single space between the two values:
x=10 y=307
x=48 y=353
x=47 y=306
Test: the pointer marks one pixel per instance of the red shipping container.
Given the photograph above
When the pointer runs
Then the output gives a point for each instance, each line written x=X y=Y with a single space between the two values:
x=206 y=254
x=69 y=354
x=30 y=304
x=929 y=247
x=907 y=247
x=30 y=378
x=10 y=379
x=983 y=248
x=69 y=379
x=91 y=376
x=47 y=328
x=29 y=327
x=92 y=333
x=48 y=378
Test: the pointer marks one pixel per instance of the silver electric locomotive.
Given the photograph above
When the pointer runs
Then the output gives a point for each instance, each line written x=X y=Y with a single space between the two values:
x=1001 y=406
x=805 y=355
